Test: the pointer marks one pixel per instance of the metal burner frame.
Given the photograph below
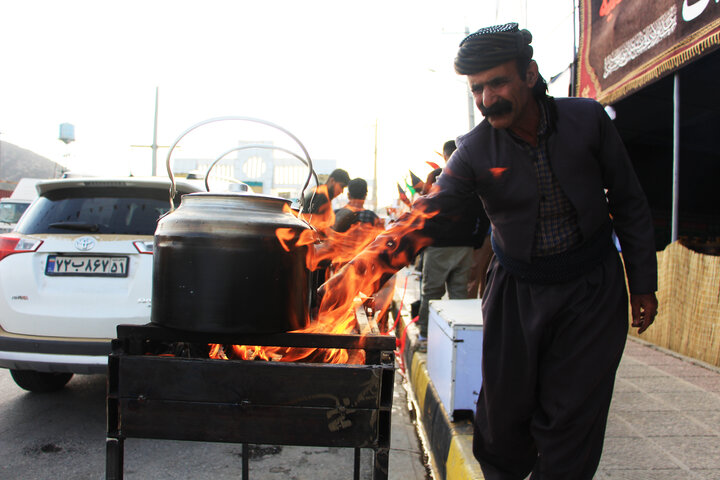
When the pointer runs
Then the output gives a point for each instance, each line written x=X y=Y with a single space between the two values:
x=249 y=402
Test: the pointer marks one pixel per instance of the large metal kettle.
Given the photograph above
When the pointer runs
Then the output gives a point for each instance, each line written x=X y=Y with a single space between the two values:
x=219 y=266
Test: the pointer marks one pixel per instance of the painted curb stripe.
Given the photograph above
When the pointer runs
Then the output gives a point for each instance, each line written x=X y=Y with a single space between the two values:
x=461 y=464
x=437 y=428
x=450 y=451
x=420 y=380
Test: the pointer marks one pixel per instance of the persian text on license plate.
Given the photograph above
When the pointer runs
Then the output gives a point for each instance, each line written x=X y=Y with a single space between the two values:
x=80 y=265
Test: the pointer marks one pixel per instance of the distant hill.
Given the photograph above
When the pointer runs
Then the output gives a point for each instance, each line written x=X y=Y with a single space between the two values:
x=17 y=163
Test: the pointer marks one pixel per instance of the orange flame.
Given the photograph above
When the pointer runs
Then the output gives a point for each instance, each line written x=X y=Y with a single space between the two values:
x=358 y=254
x=367 y=272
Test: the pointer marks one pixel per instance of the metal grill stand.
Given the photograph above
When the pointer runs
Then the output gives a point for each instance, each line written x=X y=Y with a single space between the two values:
x=249 y=402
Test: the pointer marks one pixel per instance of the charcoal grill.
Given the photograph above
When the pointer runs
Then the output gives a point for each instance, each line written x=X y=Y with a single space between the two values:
x=157 y=396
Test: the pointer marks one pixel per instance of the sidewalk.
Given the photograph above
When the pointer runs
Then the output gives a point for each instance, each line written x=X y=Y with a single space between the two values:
x=664 y=421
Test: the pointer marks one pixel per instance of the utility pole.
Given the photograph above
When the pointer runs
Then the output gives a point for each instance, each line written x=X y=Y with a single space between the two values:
x=375 y=179
x=154 y=145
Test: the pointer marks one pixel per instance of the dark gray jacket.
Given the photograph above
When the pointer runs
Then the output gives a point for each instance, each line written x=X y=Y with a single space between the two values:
x=586 y=156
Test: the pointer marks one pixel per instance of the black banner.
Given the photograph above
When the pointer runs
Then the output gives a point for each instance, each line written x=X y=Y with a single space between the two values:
x=626 y=44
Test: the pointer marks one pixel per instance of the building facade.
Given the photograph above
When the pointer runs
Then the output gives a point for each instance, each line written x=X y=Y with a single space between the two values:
x=267 y=169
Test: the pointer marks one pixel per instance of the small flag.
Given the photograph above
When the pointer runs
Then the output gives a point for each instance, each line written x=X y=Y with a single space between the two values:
x=434 y=165
x=417 y=183
x=403 y=196
x=410 y=188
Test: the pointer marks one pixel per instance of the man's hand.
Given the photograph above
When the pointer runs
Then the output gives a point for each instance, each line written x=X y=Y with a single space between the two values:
x=644 y=308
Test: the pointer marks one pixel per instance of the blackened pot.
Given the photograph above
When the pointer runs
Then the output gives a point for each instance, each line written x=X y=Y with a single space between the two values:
x=219 y=266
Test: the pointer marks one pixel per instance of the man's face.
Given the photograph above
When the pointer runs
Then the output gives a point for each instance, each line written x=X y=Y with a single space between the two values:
x=500 y=93
x=335 y=188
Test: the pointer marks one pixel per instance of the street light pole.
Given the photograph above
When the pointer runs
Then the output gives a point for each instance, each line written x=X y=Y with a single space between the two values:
x=375 y=179
x=154 y=145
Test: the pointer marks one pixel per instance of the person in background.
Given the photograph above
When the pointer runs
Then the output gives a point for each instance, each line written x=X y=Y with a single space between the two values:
x=432 y=176
x=355 y=212
x=446 y=263
x=317 y=201
x=482 y=254
x=448 y=149
x=482 y=250
x=356 y=227
x=555 y=308
x=315 y=198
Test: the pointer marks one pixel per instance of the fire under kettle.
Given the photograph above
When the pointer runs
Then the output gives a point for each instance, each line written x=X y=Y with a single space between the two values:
x=218 y=265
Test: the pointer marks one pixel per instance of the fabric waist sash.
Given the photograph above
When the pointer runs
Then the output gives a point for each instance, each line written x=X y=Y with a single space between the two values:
x=560 y=267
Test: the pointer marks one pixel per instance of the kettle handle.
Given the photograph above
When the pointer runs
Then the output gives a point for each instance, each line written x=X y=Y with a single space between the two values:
x=264 y=146
x=173 y=190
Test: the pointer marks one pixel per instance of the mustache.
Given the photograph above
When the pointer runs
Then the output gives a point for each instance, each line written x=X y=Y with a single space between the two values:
x=500 y=107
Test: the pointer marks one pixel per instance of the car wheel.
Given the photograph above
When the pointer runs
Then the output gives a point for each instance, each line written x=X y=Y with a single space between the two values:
x=40 y=382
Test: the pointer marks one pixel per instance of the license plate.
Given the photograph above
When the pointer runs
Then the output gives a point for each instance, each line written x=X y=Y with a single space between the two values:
x=80 y=265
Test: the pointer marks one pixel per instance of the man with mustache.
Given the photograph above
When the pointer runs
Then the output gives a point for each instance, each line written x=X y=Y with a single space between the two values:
x=555 y=310
x=555 y=306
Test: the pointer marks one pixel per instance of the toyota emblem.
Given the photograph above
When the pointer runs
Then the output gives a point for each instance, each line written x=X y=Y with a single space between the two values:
x=85 y=243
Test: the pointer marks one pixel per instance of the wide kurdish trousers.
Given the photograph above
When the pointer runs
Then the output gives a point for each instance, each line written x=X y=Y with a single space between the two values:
x=550 y=353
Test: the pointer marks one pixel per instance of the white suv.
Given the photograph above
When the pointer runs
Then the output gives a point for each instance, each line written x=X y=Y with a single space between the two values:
x=78 y=264
x=10 y=212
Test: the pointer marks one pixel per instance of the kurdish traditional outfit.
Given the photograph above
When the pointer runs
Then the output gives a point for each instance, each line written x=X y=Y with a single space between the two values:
x=555 y=308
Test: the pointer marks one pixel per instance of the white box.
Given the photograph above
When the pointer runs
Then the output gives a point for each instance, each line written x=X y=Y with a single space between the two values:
x=454 y=353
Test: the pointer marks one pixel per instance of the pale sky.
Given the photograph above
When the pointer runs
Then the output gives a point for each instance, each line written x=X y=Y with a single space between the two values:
x=327 y=71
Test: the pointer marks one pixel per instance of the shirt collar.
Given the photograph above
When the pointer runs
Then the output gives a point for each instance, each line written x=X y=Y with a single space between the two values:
x=356 y=202
x=543 y=130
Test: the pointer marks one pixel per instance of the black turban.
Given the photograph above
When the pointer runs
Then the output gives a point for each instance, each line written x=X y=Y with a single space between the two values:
x=492 y=46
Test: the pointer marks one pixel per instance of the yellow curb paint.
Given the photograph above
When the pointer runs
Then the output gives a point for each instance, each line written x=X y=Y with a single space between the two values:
x=461 y=464
x=420 y=379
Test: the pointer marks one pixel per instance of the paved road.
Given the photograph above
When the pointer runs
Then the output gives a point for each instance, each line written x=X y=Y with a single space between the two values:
x=62 y=436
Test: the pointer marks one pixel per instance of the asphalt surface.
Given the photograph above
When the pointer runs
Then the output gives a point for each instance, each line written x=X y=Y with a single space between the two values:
x=664 y=424
x=62 y=436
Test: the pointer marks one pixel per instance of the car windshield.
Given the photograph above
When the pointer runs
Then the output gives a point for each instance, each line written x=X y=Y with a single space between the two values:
x=11 y=212
x=121 y=211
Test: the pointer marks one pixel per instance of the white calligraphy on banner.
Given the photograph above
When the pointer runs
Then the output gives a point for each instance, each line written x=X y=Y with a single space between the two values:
x=641 y=42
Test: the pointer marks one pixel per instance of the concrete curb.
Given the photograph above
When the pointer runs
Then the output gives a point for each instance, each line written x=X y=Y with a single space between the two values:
x=449 y=444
